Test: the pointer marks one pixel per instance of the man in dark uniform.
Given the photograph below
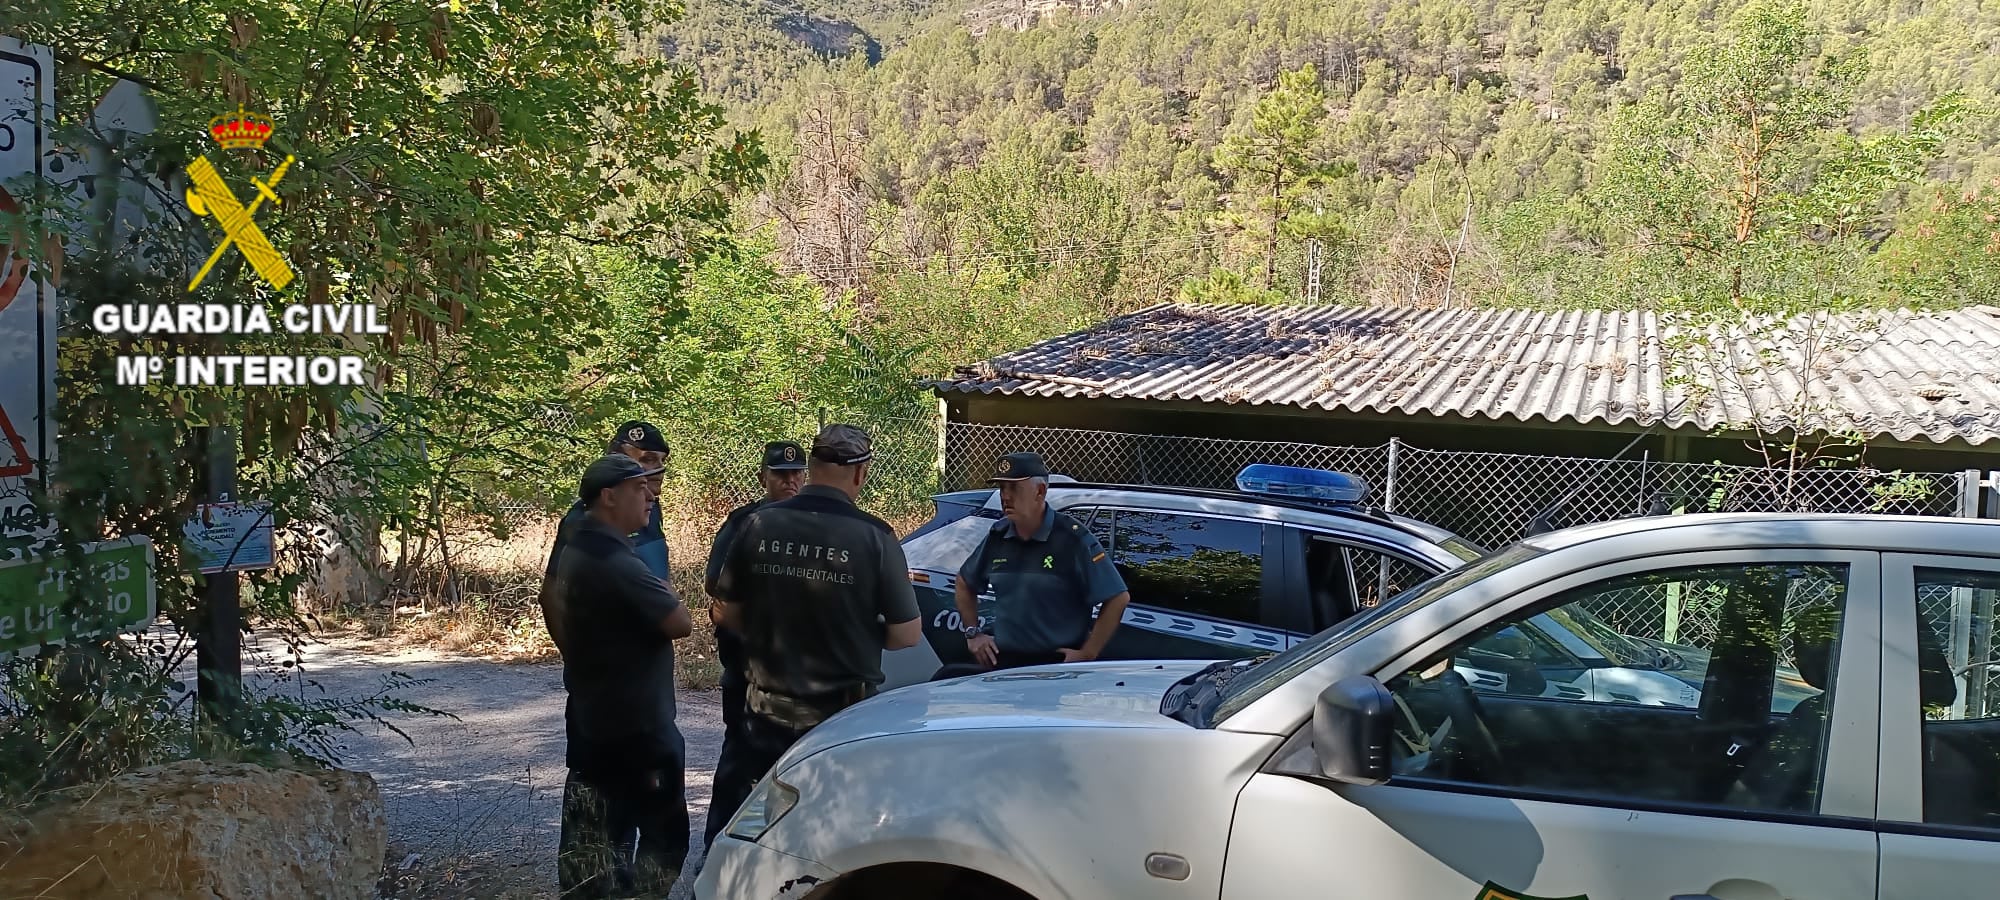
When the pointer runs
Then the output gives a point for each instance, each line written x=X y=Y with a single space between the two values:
x=817 y=589
x=645 y=445
x=781 y=475
x=624 y=820
x=1047 y=573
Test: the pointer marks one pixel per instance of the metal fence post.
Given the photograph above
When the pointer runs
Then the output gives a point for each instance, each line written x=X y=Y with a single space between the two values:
x=943 y=441
x=1968 y=494
x=1389 y=486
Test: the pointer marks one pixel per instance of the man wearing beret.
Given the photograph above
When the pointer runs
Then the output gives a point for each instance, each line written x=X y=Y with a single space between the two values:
x=1047 y=573
x=624 y=817
x=817 y=589
x=781 y=475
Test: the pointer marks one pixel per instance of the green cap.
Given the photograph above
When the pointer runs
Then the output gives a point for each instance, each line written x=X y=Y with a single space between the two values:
x=611 y=470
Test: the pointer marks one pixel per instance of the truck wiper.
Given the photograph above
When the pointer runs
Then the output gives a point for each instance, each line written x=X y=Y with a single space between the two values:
x=1188 y=700
x=1181 y=696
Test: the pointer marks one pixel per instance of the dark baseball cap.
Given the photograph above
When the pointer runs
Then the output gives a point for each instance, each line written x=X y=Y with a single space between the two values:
x=1019 y=467
x=843 y=445
x=783 y=456
x=611 y=470
x=643 y=436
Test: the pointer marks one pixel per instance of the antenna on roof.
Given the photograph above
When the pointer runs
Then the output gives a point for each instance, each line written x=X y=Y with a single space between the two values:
x=1543 y=522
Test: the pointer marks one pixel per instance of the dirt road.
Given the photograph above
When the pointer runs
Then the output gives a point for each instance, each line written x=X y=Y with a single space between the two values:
x=477 y=801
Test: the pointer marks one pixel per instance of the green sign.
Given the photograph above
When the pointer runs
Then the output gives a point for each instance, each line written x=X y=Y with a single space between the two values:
x=37 y=595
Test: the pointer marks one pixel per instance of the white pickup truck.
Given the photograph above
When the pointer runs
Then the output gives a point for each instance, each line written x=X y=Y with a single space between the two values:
x=1361 y=762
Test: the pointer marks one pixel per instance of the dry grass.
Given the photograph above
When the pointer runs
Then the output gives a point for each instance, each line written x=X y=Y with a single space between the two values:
x=459 y=878
x=496 y=614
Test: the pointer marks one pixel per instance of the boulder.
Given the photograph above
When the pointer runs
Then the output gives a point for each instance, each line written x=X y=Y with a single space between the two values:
x=215 y=831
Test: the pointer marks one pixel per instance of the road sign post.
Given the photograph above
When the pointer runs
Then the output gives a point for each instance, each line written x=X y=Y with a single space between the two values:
x=27 y=306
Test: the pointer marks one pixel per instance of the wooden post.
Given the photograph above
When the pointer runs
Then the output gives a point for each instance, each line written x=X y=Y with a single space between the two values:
x=219 y=630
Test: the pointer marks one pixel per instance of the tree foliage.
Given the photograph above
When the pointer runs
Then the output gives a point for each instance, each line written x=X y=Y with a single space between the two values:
x=1570 y=153
x=456 y=164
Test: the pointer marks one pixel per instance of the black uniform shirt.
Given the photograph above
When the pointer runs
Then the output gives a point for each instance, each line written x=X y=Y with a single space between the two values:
x=728 y=646
x=605 y=610
x=808 y=578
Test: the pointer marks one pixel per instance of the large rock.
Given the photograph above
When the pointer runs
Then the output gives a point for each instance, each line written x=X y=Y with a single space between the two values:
x=214 y=831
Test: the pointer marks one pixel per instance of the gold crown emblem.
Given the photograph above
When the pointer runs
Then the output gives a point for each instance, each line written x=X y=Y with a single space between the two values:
x=240 y=130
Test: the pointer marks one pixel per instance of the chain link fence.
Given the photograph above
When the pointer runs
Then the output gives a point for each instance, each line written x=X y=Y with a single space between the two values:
x=1491 y=499
x=707 y=478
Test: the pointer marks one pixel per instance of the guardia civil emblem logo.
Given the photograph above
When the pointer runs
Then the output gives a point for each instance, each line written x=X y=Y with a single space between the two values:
x=209 y=196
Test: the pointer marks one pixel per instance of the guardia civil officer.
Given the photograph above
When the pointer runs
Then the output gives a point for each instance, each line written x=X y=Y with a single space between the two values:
x=817 y=589
x=624 y=819
x=1047 y=573
x=781 y=475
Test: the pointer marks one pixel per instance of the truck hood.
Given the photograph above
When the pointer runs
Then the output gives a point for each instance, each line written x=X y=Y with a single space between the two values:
x=1068 y=695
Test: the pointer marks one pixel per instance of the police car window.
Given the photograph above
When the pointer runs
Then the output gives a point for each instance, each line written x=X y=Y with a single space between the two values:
x=1191 y=564
x=1958 y=686
x=1379 y=576
x=1345 y=579
x=1097 y=520
x=1721 y=699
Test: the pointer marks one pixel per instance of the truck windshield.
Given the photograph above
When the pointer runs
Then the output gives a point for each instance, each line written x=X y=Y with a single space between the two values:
x=1281 y=668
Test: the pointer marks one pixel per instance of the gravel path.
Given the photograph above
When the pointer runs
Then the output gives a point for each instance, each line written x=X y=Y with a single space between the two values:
x=481 y=794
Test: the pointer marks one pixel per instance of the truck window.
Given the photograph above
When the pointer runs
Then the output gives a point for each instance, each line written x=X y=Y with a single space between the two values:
x=1529 y=703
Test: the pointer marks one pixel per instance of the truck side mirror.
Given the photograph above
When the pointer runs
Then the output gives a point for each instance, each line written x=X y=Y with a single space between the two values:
x=1351 y=730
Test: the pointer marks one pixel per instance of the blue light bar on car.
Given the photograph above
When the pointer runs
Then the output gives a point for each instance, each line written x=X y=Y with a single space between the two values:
x=1295 y=481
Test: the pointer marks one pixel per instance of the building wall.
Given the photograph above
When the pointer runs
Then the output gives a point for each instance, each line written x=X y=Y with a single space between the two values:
x=1268 y=423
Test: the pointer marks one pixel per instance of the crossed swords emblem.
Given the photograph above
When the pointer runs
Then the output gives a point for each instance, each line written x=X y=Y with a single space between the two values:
x=210 y=197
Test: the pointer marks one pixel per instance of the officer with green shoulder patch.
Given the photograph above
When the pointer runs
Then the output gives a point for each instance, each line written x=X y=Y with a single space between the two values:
x=1047 y=573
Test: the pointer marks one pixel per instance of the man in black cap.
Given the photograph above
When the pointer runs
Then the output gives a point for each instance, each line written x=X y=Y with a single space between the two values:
x=1047 y=572
x=624 y=818
x=781 y=475
x=817 y=589
x=643 y=444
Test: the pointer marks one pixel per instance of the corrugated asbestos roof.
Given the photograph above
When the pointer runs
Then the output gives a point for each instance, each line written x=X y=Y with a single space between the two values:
x=1913 y=376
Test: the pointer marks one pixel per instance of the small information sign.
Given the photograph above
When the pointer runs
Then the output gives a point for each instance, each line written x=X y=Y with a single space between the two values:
x=230 y=537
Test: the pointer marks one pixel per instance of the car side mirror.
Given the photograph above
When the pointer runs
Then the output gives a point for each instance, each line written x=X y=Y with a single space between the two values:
x=1351 y=729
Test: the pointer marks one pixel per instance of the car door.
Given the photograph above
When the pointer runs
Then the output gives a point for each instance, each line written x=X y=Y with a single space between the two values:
x=1940 y=772
x=1199 y=584
x=1522 y=794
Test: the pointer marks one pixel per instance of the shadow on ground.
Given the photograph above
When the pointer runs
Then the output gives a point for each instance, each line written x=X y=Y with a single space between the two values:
x=474 y=804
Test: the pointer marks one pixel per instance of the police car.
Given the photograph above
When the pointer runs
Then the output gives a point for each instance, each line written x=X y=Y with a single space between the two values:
x=1292 y=551
x=1212 y=573
x=1361 y=763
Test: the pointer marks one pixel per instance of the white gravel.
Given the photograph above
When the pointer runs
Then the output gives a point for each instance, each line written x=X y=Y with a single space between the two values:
x=486 y=788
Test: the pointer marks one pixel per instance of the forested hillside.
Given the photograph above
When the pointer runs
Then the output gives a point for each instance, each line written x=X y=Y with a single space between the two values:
x=744 y=49
x=1548 y=152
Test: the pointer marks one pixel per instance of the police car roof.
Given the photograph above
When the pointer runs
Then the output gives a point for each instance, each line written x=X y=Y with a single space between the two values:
x=1412 y=527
